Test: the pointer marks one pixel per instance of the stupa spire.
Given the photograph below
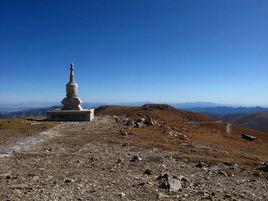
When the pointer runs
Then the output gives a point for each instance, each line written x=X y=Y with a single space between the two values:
x=72 y=72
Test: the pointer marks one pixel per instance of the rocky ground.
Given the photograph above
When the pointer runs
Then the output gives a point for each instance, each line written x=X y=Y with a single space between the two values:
x=91 y=161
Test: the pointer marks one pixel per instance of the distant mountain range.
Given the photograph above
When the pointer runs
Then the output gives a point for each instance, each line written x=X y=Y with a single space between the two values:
x=220 y=111
x=196 y=105
x=251 y=117
x=27 y=113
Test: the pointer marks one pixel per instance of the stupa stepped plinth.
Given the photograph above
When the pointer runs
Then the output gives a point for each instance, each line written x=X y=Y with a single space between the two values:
x=72 y=109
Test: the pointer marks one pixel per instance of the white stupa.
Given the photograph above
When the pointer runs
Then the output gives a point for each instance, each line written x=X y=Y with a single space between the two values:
x=72 y=101
x=72 y=109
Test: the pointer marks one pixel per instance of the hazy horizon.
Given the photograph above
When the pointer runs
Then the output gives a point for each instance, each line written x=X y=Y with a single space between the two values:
x=138 y=103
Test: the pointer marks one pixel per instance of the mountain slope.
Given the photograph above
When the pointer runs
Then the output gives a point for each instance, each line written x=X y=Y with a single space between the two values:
x=258 y=121
x=192 y=132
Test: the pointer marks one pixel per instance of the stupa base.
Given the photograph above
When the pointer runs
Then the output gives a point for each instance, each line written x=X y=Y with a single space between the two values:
x=70 y=115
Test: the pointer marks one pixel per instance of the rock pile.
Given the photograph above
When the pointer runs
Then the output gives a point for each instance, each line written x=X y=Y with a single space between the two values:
x=139 y=122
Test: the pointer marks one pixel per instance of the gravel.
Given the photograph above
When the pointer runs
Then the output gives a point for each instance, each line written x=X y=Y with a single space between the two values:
x=66 y=167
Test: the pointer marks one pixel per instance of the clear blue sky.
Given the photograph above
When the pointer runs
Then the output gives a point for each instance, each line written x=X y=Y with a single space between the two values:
x=136 y=50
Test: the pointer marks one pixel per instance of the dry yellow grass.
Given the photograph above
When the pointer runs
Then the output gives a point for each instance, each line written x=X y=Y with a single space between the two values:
x=13 y=129
x=208 y=140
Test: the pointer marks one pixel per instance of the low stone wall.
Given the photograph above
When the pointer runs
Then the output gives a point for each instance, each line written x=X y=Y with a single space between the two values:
x=70 y=115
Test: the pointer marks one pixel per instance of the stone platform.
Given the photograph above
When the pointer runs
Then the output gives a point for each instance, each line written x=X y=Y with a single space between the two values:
x=70 y=115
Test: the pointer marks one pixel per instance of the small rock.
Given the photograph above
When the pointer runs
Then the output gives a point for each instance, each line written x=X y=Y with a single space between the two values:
x=140 y=124
x=223 y=173
x=49 y=149
x=124 y=132
x=29 y=188
x=6 y=175
x=183 y=178
x=148 y=171
x=228 y=196
x=207 y=178
x=264 y=167
x=162 y=165
x=163 y=176
x=17 y=192
x=248 y=137
x=61 y=150
x=19 y=186
x=204 y=194
x=120 y=161
x=69 y=180
x=35 y=178
x=122 y=194
x=201 y=165
x=136 y=158
x=9 y=176
x=162 y=195
x=184 y=137
x=164 y=181
x=150 y=120
x=89 y=197
x=174 y=185
x=131 y=122
x=142 y=120
x=139 y=184
x=92 y=159
x=242 y=196
x=256 y=173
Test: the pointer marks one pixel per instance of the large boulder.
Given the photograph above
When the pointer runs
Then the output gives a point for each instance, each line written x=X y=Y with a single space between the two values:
x=170 y=182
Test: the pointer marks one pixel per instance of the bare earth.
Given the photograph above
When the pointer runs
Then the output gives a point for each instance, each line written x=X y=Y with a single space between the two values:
x=94 y=161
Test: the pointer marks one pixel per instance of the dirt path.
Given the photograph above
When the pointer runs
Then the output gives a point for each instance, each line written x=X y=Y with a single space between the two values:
x=7 y=150
x=75 y=161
